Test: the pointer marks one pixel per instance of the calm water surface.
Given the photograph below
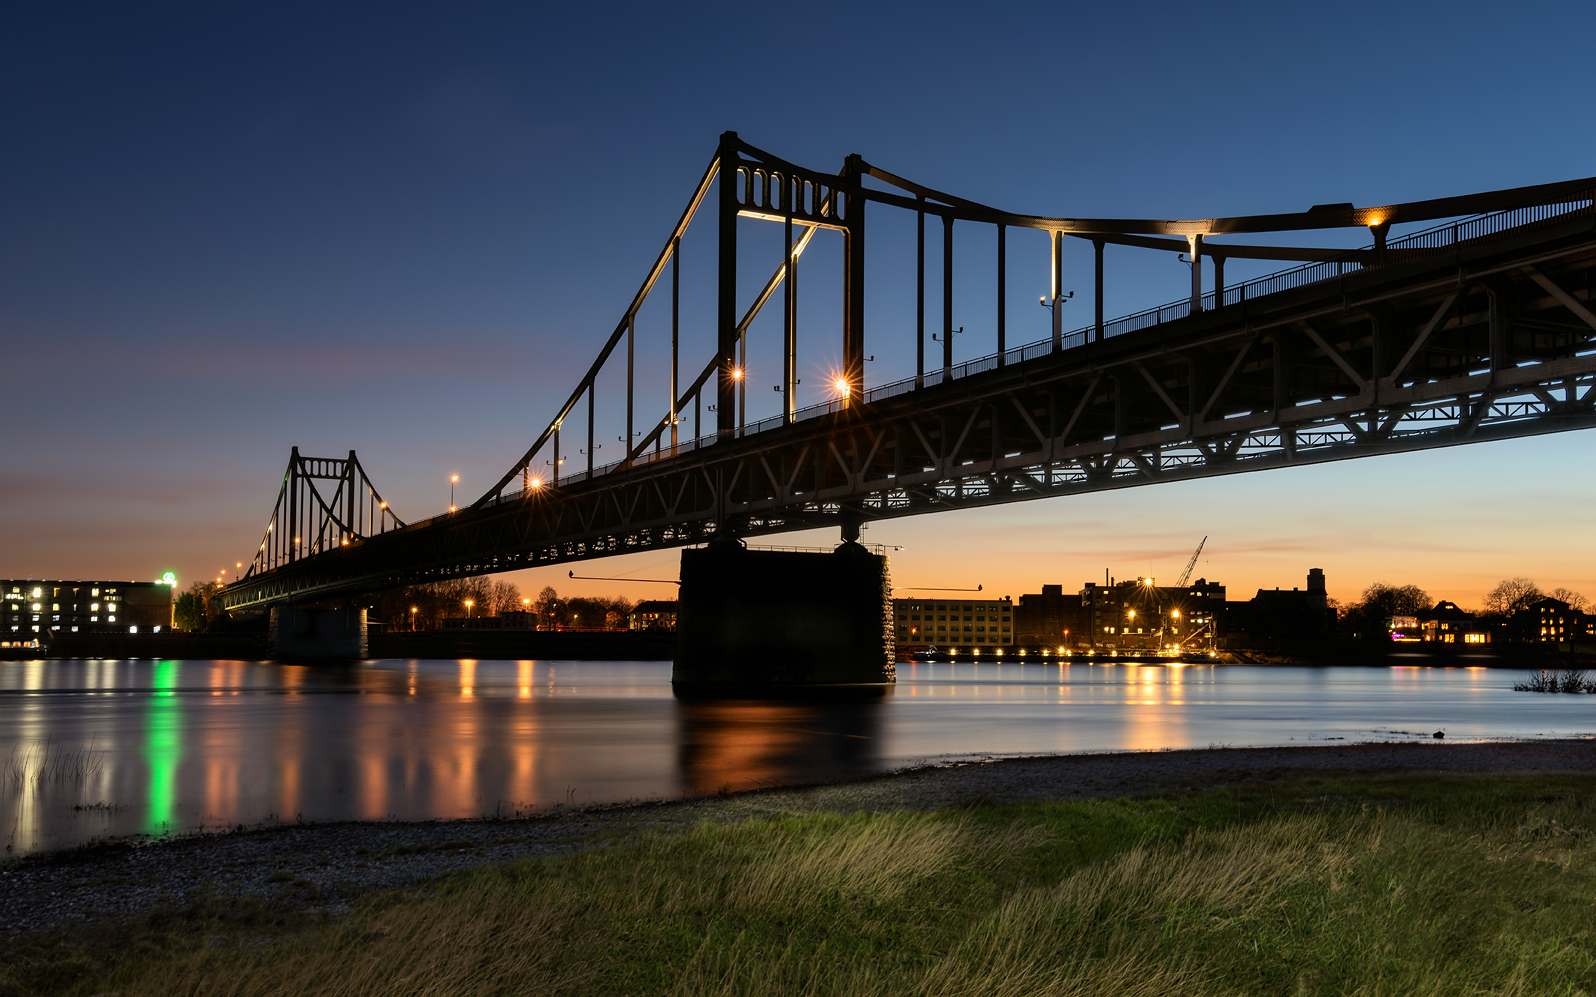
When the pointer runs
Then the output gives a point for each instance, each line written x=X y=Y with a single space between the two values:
x=101 y=748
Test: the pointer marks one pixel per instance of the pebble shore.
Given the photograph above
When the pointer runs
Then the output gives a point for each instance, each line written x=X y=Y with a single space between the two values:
x=325 y=867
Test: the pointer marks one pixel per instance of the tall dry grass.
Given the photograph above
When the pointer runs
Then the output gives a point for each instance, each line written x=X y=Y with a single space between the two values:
x=40 y=763
x=1357 y=902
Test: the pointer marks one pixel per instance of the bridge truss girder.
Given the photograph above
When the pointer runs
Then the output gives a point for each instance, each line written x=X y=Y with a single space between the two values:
x=1495 y=339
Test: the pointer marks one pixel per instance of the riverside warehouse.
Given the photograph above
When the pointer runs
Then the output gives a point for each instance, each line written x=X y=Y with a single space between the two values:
x=35 y=609
x=954 y=621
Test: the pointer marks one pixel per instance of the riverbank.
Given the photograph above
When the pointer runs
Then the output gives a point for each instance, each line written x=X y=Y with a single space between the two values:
x=330 y=866
x=1309 y=870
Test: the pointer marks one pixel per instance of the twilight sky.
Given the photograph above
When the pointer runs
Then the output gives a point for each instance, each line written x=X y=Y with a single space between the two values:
x=230 y=229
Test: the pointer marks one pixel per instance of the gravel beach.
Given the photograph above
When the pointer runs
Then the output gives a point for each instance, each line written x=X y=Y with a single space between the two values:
x=327 y=866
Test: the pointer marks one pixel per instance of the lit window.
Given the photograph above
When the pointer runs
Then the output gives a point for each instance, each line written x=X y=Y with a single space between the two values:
x=112 y=619
x=94 y=607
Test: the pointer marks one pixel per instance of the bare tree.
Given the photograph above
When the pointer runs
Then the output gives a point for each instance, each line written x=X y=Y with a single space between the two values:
x=548 y=606
x=1575 y=601
x=503 y=597
x=1512 y=595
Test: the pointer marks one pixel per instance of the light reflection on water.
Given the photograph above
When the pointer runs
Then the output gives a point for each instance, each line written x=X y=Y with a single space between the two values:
x=184 y=745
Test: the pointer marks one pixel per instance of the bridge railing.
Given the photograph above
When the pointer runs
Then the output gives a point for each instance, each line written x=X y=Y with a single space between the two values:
x=1428 y=243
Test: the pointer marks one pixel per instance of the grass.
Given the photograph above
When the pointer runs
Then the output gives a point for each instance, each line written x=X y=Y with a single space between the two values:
x=1391 y=885
x=30 y=766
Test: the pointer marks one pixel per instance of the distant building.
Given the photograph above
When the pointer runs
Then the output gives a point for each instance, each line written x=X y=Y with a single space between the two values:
x=1403 y=628
x=1275 y=613
x=36 y=609
x=653 y=614
x=1448 y=623
x=1552 y=621
x=1048 y=618
x=514 y=620
x=949 y=623
x=1142 y=615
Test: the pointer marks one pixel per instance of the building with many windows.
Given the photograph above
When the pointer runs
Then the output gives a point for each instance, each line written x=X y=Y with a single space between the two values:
x=653 y=614
x=1553 y=621
x=1141 y=615
x=954 y=623
x=34 y=609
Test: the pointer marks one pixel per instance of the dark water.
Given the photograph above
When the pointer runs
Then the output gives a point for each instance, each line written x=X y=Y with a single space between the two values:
x=99 y=748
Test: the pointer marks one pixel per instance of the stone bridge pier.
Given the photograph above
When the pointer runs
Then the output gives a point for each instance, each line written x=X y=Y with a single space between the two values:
x=317 y=631
x=780 y=623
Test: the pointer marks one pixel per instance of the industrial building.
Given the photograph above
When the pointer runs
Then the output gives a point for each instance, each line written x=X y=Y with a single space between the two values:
x=1048 y=618
x=1141 y=615
x=954 y=623
x=38 y=609
x=1275 y=614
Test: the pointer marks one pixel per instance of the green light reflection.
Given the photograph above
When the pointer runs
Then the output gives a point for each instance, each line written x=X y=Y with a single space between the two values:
x=163 y=748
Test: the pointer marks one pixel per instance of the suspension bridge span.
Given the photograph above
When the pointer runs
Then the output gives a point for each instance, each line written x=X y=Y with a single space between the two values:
x=1480 y=327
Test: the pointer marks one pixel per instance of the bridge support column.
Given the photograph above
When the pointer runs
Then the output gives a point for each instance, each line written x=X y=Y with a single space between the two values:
x=783 y=623
x=330 y=632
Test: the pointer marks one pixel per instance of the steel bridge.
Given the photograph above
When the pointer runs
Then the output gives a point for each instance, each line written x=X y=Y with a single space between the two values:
x=1479 y=328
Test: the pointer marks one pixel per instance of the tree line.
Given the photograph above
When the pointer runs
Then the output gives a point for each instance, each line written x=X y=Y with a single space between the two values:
x=425 y=607
x=1380 y=602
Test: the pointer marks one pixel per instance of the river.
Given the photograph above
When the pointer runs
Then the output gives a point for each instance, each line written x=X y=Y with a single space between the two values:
x=110 y=748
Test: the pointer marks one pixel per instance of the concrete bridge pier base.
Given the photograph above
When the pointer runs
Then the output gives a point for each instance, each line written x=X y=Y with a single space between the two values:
x=783 y=623
x=328 y=632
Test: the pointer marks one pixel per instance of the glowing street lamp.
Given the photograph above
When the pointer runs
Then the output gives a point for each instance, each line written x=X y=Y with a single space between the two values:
x=468 y=605
x=452 y=479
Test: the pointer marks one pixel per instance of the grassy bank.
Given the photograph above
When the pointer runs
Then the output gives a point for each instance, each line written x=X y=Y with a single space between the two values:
x=1398 y=885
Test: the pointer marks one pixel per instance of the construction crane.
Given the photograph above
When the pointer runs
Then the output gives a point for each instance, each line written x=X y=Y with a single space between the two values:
x=1184 y=575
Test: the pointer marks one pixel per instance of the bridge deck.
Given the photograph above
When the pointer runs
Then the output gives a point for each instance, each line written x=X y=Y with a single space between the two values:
x=1486 y=336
